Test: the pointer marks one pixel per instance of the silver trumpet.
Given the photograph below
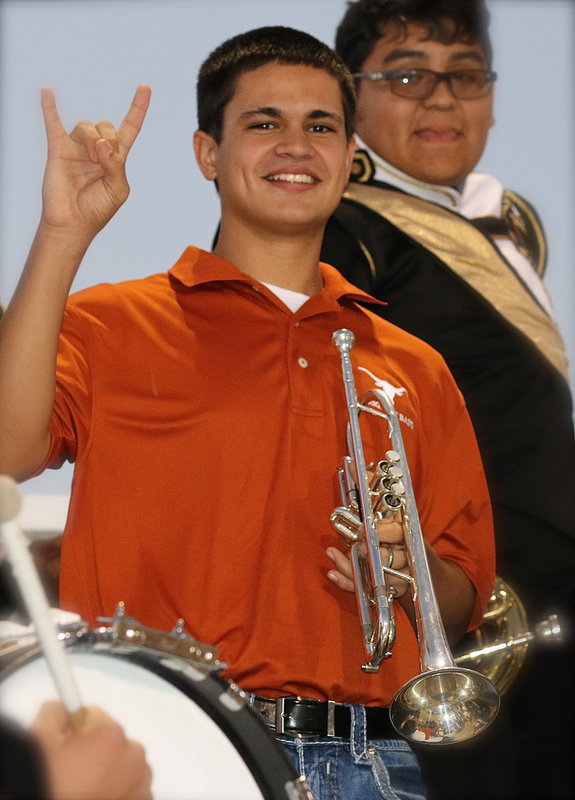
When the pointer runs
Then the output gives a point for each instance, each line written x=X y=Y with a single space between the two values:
x=444 y=703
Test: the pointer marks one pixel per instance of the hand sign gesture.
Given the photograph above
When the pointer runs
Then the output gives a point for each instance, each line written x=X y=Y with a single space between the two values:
x=85 y=178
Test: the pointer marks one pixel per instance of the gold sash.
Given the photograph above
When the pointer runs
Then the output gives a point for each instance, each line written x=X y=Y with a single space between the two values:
x=473 y=257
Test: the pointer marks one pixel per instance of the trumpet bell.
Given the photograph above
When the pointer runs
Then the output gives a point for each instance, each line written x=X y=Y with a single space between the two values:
x=444 y=706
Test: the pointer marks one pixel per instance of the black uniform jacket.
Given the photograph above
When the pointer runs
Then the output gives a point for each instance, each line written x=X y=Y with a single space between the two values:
x=519 y=402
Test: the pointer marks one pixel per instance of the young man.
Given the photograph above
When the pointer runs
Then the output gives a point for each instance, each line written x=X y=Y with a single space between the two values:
x=205 y=411
x=458 y=258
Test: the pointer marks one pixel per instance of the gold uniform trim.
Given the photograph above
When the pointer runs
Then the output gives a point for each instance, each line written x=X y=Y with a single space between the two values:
x=470 y=255
x=524 y=230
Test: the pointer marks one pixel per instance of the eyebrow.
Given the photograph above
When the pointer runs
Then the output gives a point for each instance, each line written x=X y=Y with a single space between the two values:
x=276 y=113
x=464 y=55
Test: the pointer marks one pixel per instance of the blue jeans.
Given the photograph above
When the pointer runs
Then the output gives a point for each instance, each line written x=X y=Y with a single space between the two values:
x=356 y=768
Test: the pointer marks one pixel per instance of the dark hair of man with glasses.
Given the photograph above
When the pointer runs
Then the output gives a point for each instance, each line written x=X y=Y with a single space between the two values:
x=450 y=21
x=459 y=259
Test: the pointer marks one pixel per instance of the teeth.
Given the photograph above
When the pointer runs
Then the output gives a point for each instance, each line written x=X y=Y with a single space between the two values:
x=291 y=178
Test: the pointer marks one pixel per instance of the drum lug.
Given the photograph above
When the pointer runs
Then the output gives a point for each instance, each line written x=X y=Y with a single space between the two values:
x=128 y=631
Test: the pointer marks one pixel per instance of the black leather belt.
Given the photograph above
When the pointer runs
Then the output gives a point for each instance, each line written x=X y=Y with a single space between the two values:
x=301 y=717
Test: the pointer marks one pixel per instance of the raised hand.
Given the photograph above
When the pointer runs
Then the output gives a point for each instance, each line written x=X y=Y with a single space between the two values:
x=84 y=185
x=85 y=178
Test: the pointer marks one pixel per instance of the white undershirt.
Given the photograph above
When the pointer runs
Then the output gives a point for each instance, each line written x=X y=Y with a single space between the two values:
x=293 y=300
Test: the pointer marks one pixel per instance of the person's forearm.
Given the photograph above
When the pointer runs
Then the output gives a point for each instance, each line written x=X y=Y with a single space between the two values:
x=455 y=596
x=29 y=332
x=84 y=185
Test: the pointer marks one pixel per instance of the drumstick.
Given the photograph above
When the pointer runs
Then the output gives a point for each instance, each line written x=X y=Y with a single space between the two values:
x=34 y=596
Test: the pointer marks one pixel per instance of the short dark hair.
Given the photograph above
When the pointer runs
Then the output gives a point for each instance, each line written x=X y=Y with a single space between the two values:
x=446 y=21
x=218 y=75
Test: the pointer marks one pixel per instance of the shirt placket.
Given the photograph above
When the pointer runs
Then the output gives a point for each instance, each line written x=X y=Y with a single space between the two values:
x=303 y=365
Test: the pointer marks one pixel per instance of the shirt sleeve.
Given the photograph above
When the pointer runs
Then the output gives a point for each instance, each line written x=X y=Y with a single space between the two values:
x=70 y=421
x=455 y=509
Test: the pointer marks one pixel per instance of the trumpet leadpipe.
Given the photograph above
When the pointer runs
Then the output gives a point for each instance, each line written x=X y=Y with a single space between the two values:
x=372 y=594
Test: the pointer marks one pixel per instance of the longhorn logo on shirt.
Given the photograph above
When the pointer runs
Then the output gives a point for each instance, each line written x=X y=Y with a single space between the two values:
x=391 y=391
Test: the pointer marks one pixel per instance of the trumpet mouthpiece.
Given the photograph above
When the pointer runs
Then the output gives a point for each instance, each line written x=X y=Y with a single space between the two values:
x=343 y=339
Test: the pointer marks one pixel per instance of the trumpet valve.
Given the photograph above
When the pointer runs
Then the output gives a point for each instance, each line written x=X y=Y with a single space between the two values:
x=346 y=522
x=393 y=456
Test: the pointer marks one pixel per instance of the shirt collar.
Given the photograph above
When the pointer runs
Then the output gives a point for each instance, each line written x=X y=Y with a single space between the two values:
x=196 y=267
x=336 y=286
x=383 y=172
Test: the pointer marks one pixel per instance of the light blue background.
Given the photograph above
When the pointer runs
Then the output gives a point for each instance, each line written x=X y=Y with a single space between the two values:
x=94 y=53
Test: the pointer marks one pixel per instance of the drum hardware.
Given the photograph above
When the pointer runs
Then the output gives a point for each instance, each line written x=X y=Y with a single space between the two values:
x=27 y=640
x=202 y=740
x=123 y=628
x=453 y=702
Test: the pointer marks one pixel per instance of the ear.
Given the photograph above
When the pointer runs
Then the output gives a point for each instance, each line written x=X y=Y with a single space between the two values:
x=206 y=150
x=351 y=148
x=492 y=117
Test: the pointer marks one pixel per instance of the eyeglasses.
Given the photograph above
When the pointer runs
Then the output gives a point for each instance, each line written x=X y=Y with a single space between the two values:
x=419 y=84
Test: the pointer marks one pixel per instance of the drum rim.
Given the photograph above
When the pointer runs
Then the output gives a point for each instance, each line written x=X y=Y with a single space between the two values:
x=263 y=755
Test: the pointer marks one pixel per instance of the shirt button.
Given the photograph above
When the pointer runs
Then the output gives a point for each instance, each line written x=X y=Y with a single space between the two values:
x=302 y=362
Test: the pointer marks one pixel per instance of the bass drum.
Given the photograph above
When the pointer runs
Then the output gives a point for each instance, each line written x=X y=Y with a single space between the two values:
x=202 y=741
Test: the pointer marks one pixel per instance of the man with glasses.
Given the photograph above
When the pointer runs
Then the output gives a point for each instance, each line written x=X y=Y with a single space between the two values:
x=458 y=259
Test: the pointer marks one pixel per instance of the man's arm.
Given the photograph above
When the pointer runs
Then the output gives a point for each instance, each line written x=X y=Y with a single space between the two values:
x=84 y=185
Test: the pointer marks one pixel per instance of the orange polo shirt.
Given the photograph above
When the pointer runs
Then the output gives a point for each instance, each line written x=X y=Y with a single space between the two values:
x=207 y=422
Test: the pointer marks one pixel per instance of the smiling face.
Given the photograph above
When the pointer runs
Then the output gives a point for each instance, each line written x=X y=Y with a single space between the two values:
x=284 y=158
x=438 y=140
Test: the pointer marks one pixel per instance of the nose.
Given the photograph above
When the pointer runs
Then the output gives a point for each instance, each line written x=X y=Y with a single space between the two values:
x=295 y=143
x=442 y=94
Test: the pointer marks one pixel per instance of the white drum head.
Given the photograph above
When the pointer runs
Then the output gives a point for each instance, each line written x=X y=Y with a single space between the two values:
x=191 y=757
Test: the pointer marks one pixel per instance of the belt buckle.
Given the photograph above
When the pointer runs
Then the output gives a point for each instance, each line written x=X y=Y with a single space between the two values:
x=281 y=716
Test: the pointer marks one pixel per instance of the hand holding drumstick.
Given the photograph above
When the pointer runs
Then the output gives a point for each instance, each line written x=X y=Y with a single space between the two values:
x=86 y=753
x=97 y=762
